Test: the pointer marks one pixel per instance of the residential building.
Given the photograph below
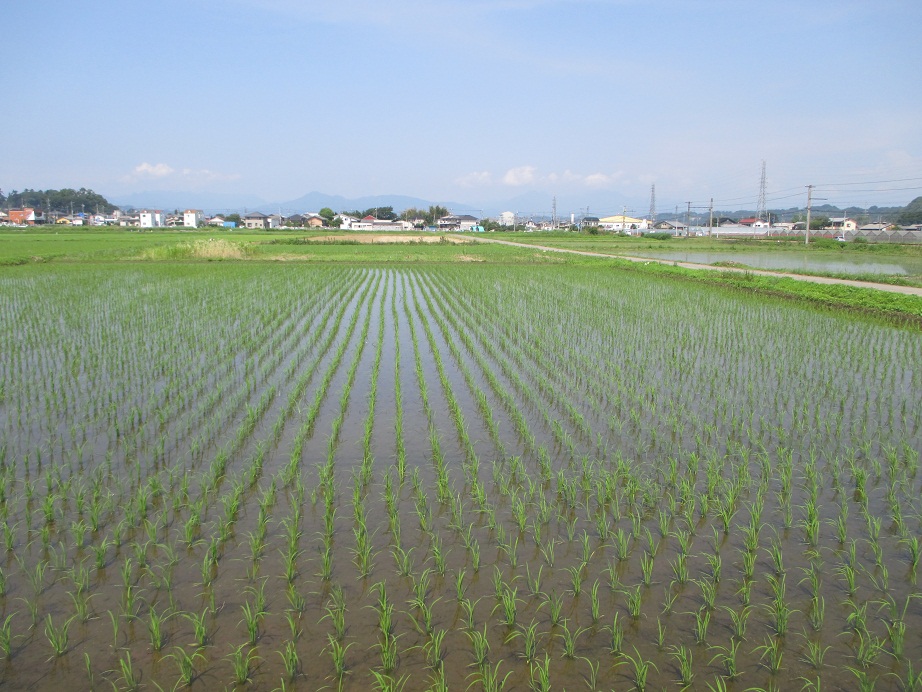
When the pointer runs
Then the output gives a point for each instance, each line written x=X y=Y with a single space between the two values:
x=455 y=222
x=152 y=218
x=623 y=223
x=673 y=226
x=346 y=221
x=25 y=217
x=193 y=218
x=256 y=219
x=842 y=224
x=507 y=218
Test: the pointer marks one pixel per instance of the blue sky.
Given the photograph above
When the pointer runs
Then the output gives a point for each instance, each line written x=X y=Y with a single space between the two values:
x=468 y=100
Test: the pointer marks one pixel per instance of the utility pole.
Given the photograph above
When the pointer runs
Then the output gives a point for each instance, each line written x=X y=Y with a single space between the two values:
x=809 y=201
x=761 y=211
x=687 y=220
x=711 y=217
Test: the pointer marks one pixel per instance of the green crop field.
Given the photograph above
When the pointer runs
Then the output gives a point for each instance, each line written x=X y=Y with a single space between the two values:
x=446 y=467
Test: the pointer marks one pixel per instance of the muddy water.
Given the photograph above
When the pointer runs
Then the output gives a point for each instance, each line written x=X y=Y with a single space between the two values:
x=615 y=524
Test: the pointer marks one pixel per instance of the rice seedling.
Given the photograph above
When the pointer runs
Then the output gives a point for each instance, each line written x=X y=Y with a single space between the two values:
x=129 y=676
x=684 y=660
x=6 y=636
x=242 y=664
x=641 y=669
x=480 y=646
x=771 y=654
x=186 y=663
x=727 y=657
x=634 y=602
x=569 y=639
x=57 y=635
x=814 y=653
x=540 y=676
x=616 y=640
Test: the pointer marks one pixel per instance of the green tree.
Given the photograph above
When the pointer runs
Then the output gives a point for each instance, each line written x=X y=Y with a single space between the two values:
x=327 y=214
x=235 y=217
x=435 y=213
x=818 y=222
x=385 y=213
x=64 y=201
x=912 y=213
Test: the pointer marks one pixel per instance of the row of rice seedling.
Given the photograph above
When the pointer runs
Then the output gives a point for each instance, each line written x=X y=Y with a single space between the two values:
x=569 y=478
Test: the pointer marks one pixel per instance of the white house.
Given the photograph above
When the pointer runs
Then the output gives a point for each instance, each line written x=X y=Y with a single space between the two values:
x=507 y=218
x=464 y=222
x=154 y=218
x=842 y=224
x=623 y=223
x=347 y=221
x=193 y=218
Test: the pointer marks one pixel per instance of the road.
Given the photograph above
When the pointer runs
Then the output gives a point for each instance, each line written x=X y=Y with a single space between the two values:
x=891 y=288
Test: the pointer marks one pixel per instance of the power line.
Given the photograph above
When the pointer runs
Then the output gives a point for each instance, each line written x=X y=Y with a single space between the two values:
x=870 y=182
x=880 y=189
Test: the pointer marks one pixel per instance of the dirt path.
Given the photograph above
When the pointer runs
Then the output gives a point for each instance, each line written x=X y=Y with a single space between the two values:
x=907 y=290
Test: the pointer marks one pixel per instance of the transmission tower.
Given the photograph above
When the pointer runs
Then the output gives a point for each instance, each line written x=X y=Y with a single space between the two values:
x=653 y=204
x=761 y=211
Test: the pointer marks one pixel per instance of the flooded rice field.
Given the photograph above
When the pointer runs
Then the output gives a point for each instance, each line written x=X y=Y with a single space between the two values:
x=458 y=477
x=795 y=261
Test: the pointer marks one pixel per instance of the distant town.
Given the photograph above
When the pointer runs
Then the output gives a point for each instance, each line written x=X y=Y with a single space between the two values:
x=59 y=208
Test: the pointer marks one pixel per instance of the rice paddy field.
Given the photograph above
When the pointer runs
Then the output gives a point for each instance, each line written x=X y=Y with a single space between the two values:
x=451 y=476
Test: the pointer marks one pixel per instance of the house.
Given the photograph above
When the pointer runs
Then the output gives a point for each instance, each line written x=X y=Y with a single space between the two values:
x=455 y=222
x=346 y=221
x=216 y=220
x=875 y=227
x=25 y=217
x=507 y=218
x=747 y=222
x=152 y=218
x=673 y=226
x=314 y=221
x=4 y=218
x=309 y=220
x=256 y=219
x=193 y=218
x=589 y=222
x=842 y=224
x=623 y=223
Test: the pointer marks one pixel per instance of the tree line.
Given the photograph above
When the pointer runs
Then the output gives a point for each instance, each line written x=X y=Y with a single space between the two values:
x=65 y=201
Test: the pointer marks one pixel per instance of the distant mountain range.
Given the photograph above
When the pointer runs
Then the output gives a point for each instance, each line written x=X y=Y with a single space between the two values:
x=530 y=204
x=525 y=205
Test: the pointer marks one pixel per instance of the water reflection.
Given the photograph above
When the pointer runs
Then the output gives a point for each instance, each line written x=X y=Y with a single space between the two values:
x=795 y=262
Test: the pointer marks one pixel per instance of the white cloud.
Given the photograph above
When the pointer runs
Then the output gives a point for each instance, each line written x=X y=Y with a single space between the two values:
x=597 y=180
x=523 y=175
x=475 y=179
x=163 y=171
x=157 y=170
